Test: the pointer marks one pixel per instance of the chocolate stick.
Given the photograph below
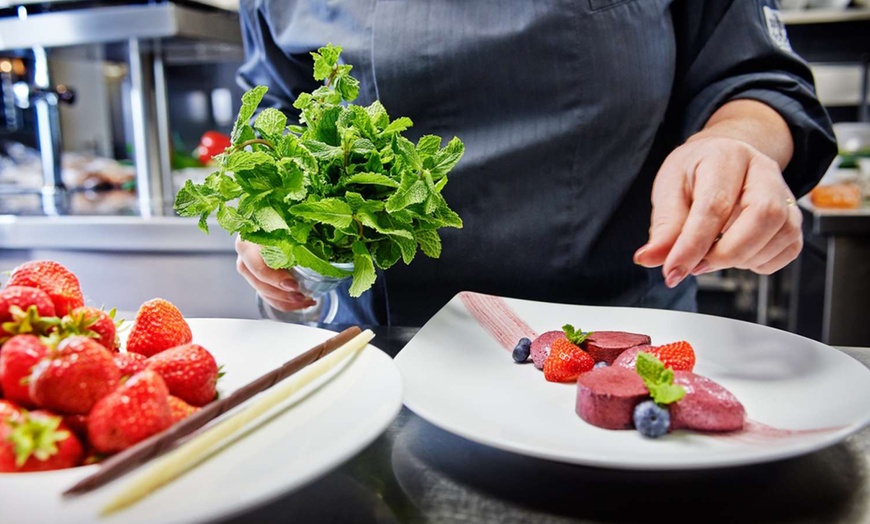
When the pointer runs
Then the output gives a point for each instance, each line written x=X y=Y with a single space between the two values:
x=153 y=446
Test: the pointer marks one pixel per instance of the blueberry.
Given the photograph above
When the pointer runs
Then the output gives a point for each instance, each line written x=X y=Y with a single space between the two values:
x=651 y=419
x=601 y=364
x=522 y=350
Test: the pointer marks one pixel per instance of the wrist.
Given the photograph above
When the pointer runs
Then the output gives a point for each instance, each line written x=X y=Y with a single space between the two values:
x=755 y=124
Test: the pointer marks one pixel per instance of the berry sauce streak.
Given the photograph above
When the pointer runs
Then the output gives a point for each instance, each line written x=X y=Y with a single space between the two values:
x=757 y=433
x=497 y=318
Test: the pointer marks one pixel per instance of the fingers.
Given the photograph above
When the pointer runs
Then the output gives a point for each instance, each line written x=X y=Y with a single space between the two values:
x=670 y=207
x=277 y=287
x=717 y=186
x=766 y=249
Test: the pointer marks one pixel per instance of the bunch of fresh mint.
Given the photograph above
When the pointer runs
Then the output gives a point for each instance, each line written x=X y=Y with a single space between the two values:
x=342 y=186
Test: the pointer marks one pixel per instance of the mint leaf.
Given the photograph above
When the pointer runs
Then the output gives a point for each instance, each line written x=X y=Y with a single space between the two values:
x=447 y=158
x=306 y=258
x=398 y=125
x=407 y=195
x=250 y=101
x=348 y=86
x=405 y=150
x=269 y=219
x=575 y=336
x=428 y=145
x=271 y=122
x=246 y=160
x=429 y=242
x=330 y=211
x=323 y=151
x=668 y=393
x=378 y=115
x=279 y=257
x=230 y=219
x=658 y=379
x=372 y=179
x=363 y=269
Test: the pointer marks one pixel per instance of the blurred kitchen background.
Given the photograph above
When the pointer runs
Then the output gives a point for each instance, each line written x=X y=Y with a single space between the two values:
x=107 y=107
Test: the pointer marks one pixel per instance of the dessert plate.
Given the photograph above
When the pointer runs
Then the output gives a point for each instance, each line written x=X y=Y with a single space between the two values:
x=294 y=446
x=799 y=395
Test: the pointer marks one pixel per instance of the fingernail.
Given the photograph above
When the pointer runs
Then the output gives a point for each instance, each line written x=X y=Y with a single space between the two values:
x=639 y=253
x=299 y=297
x=702 y=267
x=288 y=283
x=675 y=276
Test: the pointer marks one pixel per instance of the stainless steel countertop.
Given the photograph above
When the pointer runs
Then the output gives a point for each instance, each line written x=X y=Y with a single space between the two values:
x=836 y=221
x=111 y=233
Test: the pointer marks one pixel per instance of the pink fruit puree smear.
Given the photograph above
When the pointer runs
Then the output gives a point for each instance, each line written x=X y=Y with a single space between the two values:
x=495 y=316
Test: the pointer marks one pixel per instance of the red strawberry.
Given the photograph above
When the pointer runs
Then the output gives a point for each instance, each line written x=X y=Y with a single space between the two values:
x=78 y=424
x=679 y=356
x=58 y=282
x=180 y=409
x=133 y=412
x=92 y=322
x=22 y=297
x=129 y=363
x=37 y=441
x=74 y=377
x=190 y=373
x=17 y=358
x=158 y=326
x=566 y=362
x=8 y=409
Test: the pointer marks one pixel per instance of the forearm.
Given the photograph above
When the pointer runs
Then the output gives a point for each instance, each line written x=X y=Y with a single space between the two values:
x=754 y=123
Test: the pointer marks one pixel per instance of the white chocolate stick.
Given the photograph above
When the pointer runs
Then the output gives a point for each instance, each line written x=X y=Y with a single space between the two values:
x=187 y=455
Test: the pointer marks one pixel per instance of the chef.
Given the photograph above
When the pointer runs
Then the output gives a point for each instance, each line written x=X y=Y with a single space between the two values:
x=614 y=148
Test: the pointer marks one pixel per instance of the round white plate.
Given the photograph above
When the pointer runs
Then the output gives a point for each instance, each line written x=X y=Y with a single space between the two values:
x=292 y=448
x=804 y=394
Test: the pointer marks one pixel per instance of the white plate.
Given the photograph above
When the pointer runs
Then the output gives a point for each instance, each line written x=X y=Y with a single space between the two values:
x=804 y=395
x=296 y=446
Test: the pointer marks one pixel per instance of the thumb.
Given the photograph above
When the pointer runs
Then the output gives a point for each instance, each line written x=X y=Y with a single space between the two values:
x=669 y=211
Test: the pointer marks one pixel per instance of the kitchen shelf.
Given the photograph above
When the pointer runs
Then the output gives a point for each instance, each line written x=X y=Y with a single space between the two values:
x=97 y=25
x=824 y=16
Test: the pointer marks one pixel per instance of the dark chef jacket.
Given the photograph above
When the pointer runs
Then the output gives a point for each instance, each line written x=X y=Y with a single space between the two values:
x=567 y=108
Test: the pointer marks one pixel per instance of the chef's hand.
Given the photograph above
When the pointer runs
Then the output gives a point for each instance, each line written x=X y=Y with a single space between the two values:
x=277 y=287
x=719 y=200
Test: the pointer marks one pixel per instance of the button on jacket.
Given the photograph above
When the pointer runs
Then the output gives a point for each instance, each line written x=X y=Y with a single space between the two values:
x=567 y=109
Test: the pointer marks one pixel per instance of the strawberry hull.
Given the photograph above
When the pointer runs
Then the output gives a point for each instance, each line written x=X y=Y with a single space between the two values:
x=606 y=346
x=707 y=405
x=606 y=397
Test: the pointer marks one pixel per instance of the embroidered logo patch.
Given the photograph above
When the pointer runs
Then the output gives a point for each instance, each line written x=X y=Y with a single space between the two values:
x=776 y=29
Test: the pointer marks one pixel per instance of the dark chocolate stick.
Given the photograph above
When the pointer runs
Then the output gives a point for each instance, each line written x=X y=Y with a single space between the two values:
x=155 y=445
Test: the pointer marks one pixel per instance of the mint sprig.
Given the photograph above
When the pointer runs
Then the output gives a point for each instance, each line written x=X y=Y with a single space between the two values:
x=659 y=380
x=575 y=336
x=342 y=186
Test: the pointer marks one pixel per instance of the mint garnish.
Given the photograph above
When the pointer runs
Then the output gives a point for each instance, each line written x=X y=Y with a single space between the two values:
x=659 y=380
x=343 y=185
x=575 y=336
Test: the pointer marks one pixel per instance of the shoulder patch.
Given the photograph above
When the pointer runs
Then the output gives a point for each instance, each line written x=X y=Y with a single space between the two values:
x=776 y=29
